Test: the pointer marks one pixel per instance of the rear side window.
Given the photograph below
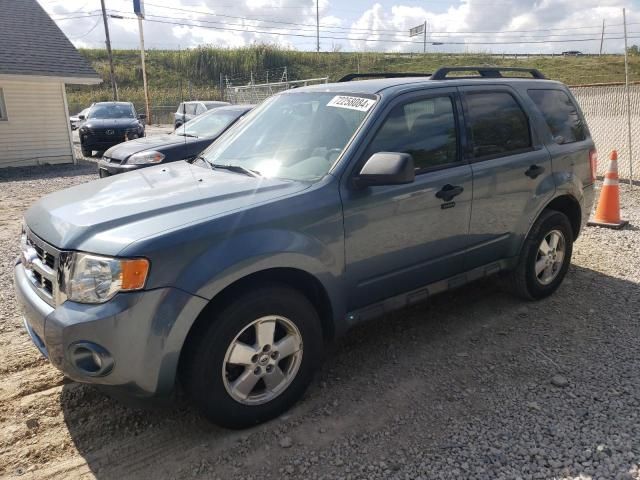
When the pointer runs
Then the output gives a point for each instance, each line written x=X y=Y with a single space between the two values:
x=426 y=129
x=561 y=115
x=497 y=124
x=191 y=108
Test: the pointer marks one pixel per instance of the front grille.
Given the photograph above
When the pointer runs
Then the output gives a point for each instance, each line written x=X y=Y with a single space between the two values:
x=118 y=135
x=40 y=261
x=116 y=161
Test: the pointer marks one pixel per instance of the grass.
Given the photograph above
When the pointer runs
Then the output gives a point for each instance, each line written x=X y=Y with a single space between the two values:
x=195 y=73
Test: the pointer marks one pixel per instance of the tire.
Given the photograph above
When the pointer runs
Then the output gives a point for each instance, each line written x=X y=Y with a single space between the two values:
x=85 y=152
x=209 y=377
x=524 y=281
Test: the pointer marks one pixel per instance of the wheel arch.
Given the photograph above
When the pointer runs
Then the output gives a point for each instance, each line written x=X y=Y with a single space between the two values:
x=566 y=204
x=570 y=206
x=304 y=282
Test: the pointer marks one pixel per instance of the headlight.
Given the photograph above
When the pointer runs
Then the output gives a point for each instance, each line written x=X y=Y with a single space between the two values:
x=150 y=156
x=96 y=279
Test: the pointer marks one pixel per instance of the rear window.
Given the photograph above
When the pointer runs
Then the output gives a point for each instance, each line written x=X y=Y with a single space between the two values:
x=498 y=124
x=561 y=115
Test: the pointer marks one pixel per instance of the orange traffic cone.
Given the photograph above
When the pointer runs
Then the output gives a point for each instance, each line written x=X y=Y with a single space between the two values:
x=608 y=211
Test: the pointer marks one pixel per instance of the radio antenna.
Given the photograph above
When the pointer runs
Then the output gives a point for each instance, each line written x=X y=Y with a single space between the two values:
x=184 y=107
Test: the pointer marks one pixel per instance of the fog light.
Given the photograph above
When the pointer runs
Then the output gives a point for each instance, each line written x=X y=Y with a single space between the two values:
x=90 y=359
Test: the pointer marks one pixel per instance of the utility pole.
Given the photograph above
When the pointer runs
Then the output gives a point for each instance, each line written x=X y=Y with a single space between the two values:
x=144 y=71
x=108 y=42
x=318 y=26
x=626 y=83
x=602 y=37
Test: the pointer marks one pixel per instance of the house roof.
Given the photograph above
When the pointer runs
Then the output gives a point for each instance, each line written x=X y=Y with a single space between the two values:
x=32 y=44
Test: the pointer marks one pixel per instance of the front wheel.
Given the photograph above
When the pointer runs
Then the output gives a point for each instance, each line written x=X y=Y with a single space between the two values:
x=545 y=257
x=254 y=359
x=86 y=152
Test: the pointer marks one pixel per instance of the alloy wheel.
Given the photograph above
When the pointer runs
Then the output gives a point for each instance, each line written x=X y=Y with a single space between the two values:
x=262 y=360
x=550 y=257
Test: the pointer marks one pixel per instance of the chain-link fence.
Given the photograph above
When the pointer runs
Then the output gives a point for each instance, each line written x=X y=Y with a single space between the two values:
x=605 y=108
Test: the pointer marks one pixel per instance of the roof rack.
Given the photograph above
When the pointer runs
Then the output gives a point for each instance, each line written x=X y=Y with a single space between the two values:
x=354 y=76
x=485 y=72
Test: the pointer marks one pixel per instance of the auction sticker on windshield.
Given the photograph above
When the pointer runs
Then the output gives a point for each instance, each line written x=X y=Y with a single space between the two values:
x=352 y=103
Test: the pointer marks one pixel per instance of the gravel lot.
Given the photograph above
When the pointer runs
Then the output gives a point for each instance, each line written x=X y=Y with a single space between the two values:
x=473 y=384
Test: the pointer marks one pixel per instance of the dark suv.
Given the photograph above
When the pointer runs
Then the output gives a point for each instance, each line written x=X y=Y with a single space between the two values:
x=108 y=124
x=326 y=206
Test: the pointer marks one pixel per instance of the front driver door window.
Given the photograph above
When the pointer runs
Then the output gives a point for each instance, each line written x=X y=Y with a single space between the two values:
x=401 y=237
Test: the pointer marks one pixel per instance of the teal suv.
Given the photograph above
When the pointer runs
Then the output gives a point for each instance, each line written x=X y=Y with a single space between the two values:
x=228 y=275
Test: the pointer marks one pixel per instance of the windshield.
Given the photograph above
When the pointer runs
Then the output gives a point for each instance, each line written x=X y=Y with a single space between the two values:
x=210 y=124
x=111 y=111
x=296 y=136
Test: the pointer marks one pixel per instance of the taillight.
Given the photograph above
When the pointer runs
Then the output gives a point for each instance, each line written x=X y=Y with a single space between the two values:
x=593 y=162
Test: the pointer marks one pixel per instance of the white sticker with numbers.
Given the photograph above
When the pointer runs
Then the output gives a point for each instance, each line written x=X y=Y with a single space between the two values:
x=352 y=103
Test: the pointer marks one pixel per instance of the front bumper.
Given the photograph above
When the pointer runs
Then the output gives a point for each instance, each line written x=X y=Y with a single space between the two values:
x=143 y=333
x=107 y=168
x=102 y=142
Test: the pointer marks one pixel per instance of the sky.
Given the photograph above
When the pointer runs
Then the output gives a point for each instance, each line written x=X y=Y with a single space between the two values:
x=488 y=26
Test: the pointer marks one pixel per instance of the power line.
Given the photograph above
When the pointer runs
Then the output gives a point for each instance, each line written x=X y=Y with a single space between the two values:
x=170 y=21
x=89 y=31
x=76 y=17
x=200 y=12
x=436 y=36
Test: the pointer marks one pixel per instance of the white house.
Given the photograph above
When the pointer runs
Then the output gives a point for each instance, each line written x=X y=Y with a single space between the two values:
x=36 y=61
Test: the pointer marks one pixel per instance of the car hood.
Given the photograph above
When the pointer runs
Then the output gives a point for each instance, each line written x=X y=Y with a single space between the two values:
x=124 y=150
x=96 y=123
x=106 y=215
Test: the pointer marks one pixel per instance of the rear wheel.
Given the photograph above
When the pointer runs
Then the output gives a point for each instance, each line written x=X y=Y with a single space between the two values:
x=255 y=358
x=545 y=257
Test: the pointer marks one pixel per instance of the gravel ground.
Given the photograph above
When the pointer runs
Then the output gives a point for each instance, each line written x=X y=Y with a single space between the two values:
x=473 y=384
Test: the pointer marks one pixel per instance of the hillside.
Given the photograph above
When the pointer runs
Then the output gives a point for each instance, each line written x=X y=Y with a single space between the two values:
x=176 y=74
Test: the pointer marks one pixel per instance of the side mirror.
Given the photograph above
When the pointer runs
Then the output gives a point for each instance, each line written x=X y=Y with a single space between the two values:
x=386 y=168
x=81 y=117
x=142 y=116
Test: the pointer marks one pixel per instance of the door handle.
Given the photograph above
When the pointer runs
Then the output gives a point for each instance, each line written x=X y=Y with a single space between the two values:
x=448 y=192
x=533 y=171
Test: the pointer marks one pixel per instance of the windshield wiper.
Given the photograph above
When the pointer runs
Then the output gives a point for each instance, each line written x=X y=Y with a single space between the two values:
x=237 y=169
x=187 y=135
x=231 y=168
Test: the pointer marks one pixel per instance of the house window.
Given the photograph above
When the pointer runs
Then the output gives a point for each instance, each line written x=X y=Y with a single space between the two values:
x=3 y=108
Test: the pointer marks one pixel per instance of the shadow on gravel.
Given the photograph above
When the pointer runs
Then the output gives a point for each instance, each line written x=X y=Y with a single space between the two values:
x=469 y=368
x=83 y=167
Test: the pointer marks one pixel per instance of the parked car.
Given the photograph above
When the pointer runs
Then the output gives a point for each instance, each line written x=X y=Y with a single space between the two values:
x=189 y=110
x=183 y=144
x=75 y=119
x=326 y=206
x=107 y=124
x=572 y=53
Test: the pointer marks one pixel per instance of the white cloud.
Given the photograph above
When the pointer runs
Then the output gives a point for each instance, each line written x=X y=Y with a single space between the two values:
x=457 y=28
x=381 y=26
